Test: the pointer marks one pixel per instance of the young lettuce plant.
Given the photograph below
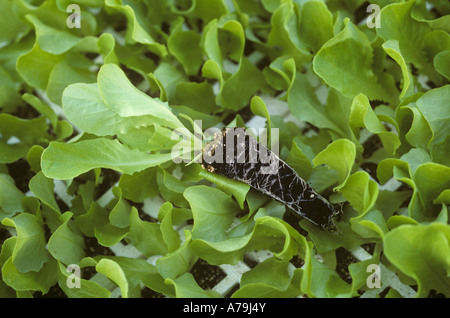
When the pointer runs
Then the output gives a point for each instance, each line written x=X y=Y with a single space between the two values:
x=145 y=130
x=111 y=108
x=235 y=154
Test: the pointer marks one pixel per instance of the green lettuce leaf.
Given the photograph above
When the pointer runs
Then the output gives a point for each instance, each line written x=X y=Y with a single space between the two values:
x=30 y=253
x=422 y=253
x=348 y=73
x=86 y=155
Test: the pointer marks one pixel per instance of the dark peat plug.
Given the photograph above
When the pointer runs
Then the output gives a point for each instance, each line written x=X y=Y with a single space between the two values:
x=236 y=155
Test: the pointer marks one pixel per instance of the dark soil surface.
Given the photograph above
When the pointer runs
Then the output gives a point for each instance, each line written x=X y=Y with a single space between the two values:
x=207 y=276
